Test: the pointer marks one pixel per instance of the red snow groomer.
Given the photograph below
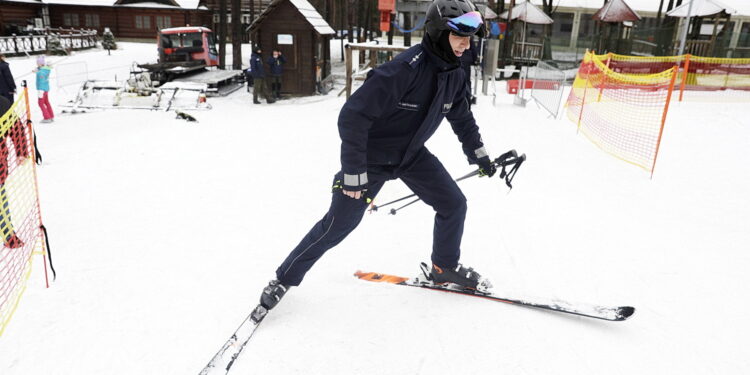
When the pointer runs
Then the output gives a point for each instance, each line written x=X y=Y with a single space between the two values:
x=189 y=54
x=188 y=44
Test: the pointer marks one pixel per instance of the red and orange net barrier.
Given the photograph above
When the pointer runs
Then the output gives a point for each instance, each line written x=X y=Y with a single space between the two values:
x=623 y=114
x=21 y=229
x=699 y=78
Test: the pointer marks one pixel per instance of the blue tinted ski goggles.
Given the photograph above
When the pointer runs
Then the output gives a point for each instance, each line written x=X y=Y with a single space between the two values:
x=467 y=24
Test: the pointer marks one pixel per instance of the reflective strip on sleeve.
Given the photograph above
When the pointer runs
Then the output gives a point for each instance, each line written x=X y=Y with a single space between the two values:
x=480 y=152
x=355 y=179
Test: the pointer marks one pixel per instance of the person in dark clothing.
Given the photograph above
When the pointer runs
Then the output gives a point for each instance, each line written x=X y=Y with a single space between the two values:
x=7 y=83
x=259 y=77
x=276 y=62
x=249 y=78
x=383 y=128
x=470 y=57
x=18 y=137
x=4 y=105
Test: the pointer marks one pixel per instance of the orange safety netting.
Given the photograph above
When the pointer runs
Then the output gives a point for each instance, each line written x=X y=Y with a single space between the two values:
x=623 y=114
x=699 y=78
x=20 y=218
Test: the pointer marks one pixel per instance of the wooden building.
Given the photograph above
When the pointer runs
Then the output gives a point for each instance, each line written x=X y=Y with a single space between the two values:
x=296 y=29
x=16 y=16
x=138 y=19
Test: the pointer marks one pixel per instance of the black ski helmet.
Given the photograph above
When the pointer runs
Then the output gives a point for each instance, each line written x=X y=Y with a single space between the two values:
x=440 y=11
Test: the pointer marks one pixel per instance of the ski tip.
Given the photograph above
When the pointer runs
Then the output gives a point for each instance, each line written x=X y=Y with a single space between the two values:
x=625 y=312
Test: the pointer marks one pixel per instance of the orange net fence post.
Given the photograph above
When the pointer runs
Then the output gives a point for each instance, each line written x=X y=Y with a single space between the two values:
x=627 y=121
x=601 y=88
x=20 y=218
x=686 y=69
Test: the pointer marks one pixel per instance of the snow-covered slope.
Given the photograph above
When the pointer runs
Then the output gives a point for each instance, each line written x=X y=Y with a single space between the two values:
x=164 y=232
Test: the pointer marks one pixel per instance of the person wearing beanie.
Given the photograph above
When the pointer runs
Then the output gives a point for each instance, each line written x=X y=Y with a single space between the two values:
x=42 y=85
x=383 y=128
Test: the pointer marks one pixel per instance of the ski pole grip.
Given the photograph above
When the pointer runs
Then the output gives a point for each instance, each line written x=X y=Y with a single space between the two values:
x=501 y=160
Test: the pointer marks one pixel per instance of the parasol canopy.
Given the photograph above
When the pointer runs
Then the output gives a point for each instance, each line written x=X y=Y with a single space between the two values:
x=701 y=8
x=616 y=11
x=487 y=13
x=529 y=13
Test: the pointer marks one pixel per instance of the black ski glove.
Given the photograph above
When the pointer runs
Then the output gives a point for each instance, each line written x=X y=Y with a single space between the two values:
x=486 y=167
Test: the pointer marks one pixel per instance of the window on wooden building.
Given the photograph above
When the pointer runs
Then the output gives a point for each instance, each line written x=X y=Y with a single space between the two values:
x=284 y=39
x=163 y=22
x=70 y=19
x=143 y=22
x=92 y=20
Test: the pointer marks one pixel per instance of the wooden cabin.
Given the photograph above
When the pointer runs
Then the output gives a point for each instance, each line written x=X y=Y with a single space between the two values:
x=138 y=19
x=296 y=29
x=16 y=16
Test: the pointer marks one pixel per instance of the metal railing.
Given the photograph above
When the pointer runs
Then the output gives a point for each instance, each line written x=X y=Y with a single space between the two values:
x=70 y=39
x=703 y=48
x=547 y=88
x=527 y=52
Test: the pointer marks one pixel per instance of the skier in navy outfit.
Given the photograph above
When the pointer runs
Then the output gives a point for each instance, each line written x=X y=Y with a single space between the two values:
x=383 y=129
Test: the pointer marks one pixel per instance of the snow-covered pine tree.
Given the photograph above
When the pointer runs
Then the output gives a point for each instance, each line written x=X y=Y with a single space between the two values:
x=108 y=39
x=54 y=46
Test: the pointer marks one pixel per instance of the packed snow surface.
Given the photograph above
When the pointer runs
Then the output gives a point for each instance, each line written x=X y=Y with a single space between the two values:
x=164 y=232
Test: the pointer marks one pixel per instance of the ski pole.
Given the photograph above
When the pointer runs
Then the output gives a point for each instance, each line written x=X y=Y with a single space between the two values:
x=394 y=210
x=375 y=207
x=507 y=159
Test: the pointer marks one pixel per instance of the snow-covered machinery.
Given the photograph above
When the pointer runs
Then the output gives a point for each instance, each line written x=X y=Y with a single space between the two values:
x=188 y=54
x=138 y=92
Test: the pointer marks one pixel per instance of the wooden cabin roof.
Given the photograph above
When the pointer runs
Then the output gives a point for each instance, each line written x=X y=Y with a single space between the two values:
x=307 y=11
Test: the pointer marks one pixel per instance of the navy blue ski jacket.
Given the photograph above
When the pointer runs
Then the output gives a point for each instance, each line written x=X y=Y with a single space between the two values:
x=276 y=64
x=400 y=105
x=256 y=66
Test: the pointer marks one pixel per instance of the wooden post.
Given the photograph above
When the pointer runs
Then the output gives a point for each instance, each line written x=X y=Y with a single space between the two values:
x=348 y=71
x=711 y=49
x=508 y=22
x=236 y=35
x=601 y=87
x=585 y=88
x=407 y=26
x=374 y=49
x=685 y=75
x=390 y=34
x=664 y=119
x=222 y=34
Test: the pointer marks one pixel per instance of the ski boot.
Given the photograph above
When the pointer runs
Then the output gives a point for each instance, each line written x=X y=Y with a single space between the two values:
x=272 y=294
x=460 y=276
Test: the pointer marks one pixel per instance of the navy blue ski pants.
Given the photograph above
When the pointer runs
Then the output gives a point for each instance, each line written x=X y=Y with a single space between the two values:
x=426 y=177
